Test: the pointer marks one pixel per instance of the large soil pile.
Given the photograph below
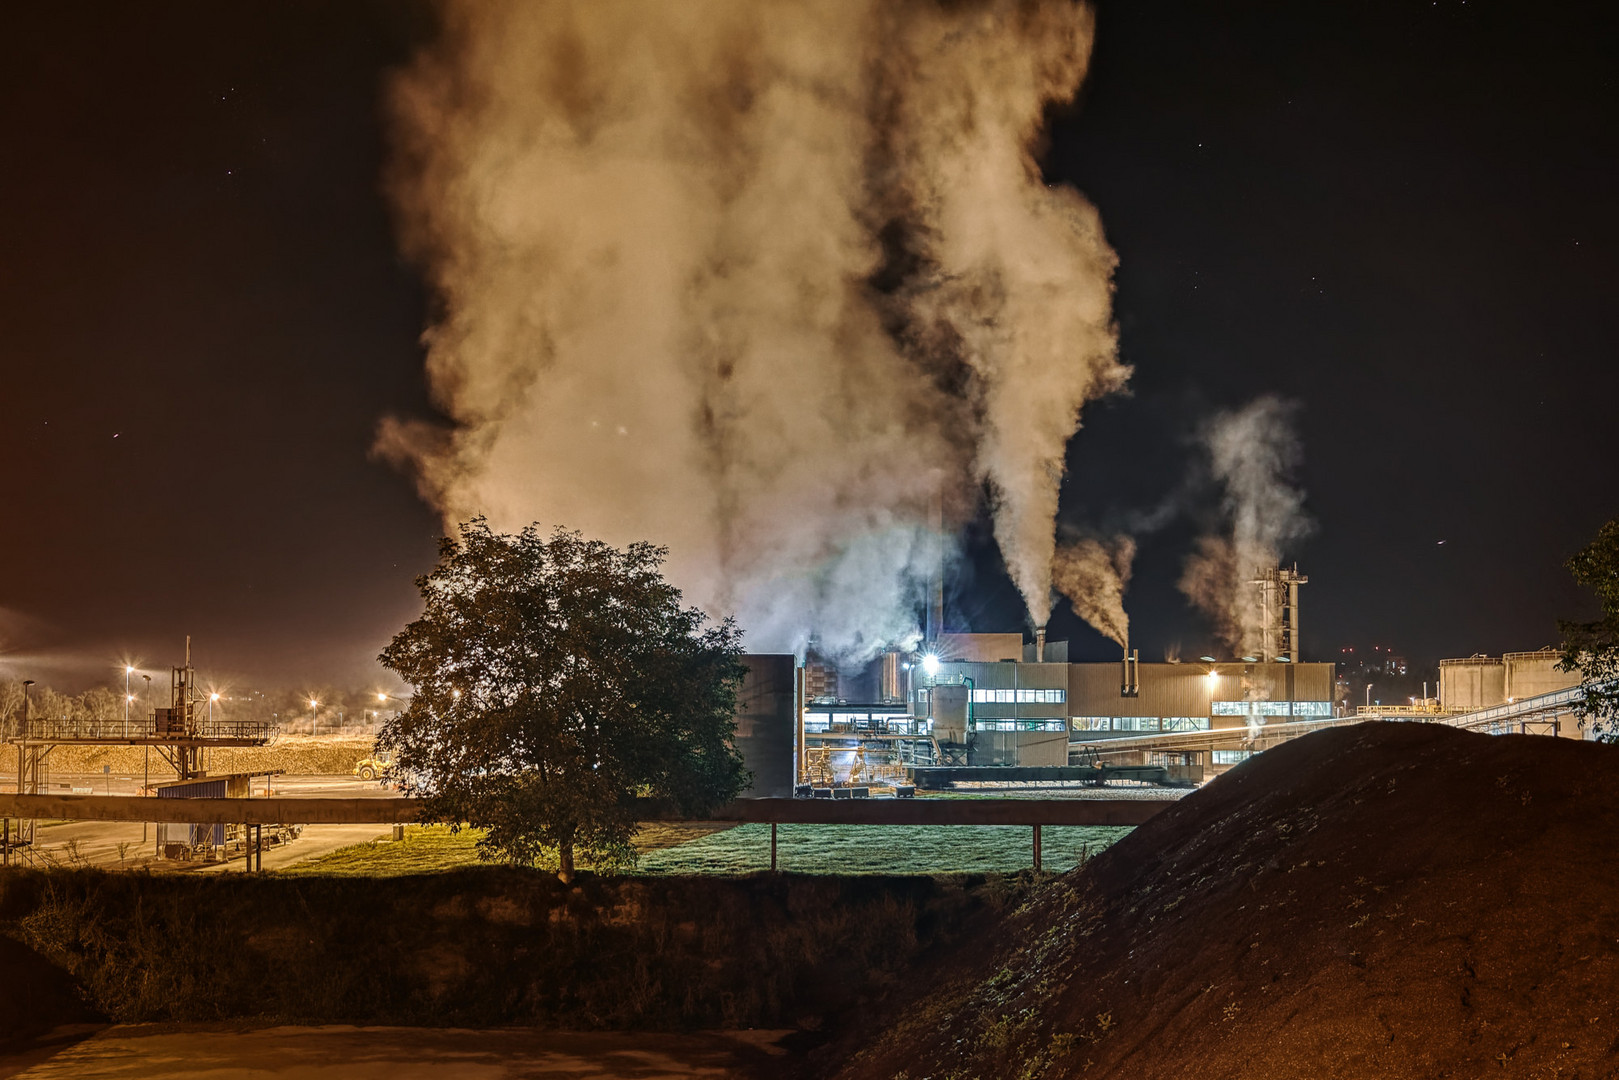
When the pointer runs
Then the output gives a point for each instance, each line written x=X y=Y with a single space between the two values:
x=1387 y=900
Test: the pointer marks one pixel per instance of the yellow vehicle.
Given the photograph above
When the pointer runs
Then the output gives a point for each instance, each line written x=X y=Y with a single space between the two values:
x=372 y=768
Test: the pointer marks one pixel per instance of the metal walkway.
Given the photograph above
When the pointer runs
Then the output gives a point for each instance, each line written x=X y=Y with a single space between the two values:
x=1543 y=714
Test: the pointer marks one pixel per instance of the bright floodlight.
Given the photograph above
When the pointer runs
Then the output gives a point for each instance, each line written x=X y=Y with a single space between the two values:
x=128 y=670
x=313 y=703
x=131 y=697
x=1214 y=676
x=930 y=664
x=382 y=697
x=213 y=697
x=455 y=693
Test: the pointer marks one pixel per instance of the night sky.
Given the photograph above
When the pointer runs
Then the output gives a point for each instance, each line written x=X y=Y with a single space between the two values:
x=1399 y=215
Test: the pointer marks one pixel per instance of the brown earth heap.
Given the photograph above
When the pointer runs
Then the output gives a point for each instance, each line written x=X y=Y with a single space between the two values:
x=1387 y=900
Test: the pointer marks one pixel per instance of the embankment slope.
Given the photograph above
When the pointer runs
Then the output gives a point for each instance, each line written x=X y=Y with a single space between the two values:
x=1388 y=900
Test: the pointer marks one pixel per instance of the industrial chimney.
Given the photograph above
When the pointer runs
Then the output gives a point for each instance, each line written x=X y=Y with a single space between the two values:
x=1039 y=644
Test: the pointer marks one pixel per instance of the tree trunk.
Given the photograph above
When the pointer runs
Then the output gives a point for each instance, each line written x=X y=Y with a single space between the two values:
x=565 y=862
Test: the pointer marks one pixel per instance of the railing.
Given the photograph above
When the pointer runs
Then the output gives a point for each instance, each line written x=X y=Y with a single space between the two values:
x=91 y=730
x=1031 y=813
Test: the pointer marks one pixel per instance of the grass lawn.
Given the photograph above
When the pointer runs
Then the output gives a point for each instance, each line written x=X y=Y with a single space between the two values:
x=804 y=849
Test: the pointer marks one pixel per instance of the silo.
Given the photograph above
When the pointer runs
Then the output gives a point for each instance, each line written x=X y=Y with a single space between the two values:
x=766 y=714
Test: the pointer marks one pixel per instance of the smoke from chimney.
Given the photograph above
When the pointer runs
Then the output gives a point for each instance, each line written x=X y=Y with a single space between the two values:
x=739 y=278
x=1252 y=454
x=1093 y=576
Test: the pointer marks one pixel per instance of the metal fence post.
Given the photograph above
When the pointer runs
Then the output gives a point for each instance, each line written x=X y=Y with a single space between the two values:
x=772 y=847
x=1037 y=848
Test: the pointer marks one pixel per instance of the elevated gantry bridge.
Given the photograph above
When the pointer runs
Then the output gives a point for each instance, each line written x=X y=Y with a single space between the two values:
x=1543 y=714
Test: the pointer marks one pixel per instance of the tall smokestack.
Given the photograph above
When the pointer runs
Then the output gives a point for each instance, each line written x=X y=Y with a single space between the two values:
x=1039 y=644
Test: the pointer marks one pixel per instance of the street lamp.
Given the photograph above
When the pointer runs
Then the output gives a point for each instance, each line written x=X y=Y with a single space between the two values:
x=211 y=699
x=1368 y=695
x=312 y=706
x=148 y=679
x=128 y=697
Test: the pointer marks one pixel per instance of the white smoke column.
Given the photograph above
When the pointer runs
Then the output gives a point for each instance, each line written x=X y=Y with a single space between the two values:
x=1093 y=576
x=1253 y=452
x=670 y=309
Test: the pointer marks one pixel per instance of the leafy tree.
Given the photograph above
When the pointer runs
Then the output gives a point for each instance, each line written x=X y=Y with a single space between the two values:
x=1592 y=648
x=555 y=682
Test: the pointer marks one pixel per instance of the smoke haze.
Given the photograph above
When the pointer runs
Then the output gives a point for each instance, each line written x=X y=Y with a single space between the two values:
x=1093 y=576
x=1253 y=452
x=739 y=278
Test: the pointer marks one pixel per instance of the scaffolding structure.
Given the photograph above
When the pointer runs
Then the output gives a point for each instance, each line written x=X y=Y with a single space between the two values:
x=181 y=734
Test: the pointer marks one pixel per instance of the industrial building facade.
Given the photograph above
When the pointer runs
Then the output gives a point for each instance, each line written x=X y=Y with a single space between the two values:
x=985 y=699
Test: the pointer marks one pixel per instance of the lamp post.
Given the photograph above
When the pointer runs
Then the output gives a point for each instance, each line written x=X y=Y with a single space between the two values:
x=128 y=697
x=148 y=679
x=23 y=731
x=1368 y=695
x=211 y=699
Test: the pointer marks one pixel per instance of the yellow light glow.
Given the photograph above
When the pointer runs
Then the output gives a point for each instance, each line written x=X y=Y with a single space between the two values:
x=382 y=697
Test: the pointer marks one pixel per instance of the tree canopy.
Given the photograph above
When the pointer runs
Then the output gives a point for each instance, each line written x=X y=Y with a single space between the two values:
x=1592 y=648
x=556 y=680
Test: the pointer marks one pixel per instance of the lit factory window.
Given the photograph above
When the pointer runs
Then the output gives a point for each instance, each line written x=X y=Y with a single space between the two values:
x=1272 y=708
x=1022 y=697
x=1231 y=757
x=1020 y=725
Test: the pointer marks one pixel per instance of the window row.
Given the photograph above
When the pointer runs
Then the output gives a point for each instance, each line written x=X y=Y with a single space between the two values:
x=1055 y=724
x=1272 y=708
x=1019 y=697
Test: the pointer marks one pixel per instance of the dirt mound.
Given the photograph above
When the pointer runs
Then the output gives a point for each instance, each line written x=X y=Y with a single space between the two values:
x=1387 y=900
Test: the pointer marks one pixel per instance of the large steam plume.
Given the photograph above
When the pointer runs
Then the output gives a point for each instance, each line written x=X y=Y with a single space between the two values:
x=742 y=278
x=1093 y=576
x=1253 y=452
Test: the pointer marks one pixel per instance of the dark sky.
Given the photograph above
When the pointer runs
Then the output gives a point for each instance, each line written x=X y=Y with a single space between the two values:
x=1400 y=215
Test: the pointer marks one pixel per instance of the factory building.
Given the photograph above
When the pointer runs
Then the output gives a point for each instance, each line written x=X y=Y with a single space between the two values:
x=997 y=699
x=1013 y=706
x=988 y=706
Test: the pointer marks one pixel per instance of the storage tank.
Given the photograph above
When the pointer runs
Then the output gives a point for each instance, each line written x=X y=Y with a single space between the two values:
x=766 y=723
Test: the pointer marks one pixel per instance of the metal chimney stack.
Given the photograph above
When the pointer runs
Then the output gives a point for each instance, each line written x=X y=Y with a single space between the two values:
x=1039 y=644
x=1130 y=683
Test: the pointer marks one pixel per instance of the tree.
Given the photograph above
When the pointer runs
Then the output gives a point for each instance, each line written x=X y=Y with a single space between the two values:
x=555 y=682
x=1592 y=648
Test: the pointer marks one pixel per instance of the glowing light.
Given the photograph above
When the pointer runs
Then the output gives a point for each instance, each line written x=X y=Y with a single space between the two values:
x=128 y=670
x=313 y=703
x=930 y=664
x=455 y=693
x=382 y=697
x=1214 y=676
x=213 y=697
x=129 y=697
